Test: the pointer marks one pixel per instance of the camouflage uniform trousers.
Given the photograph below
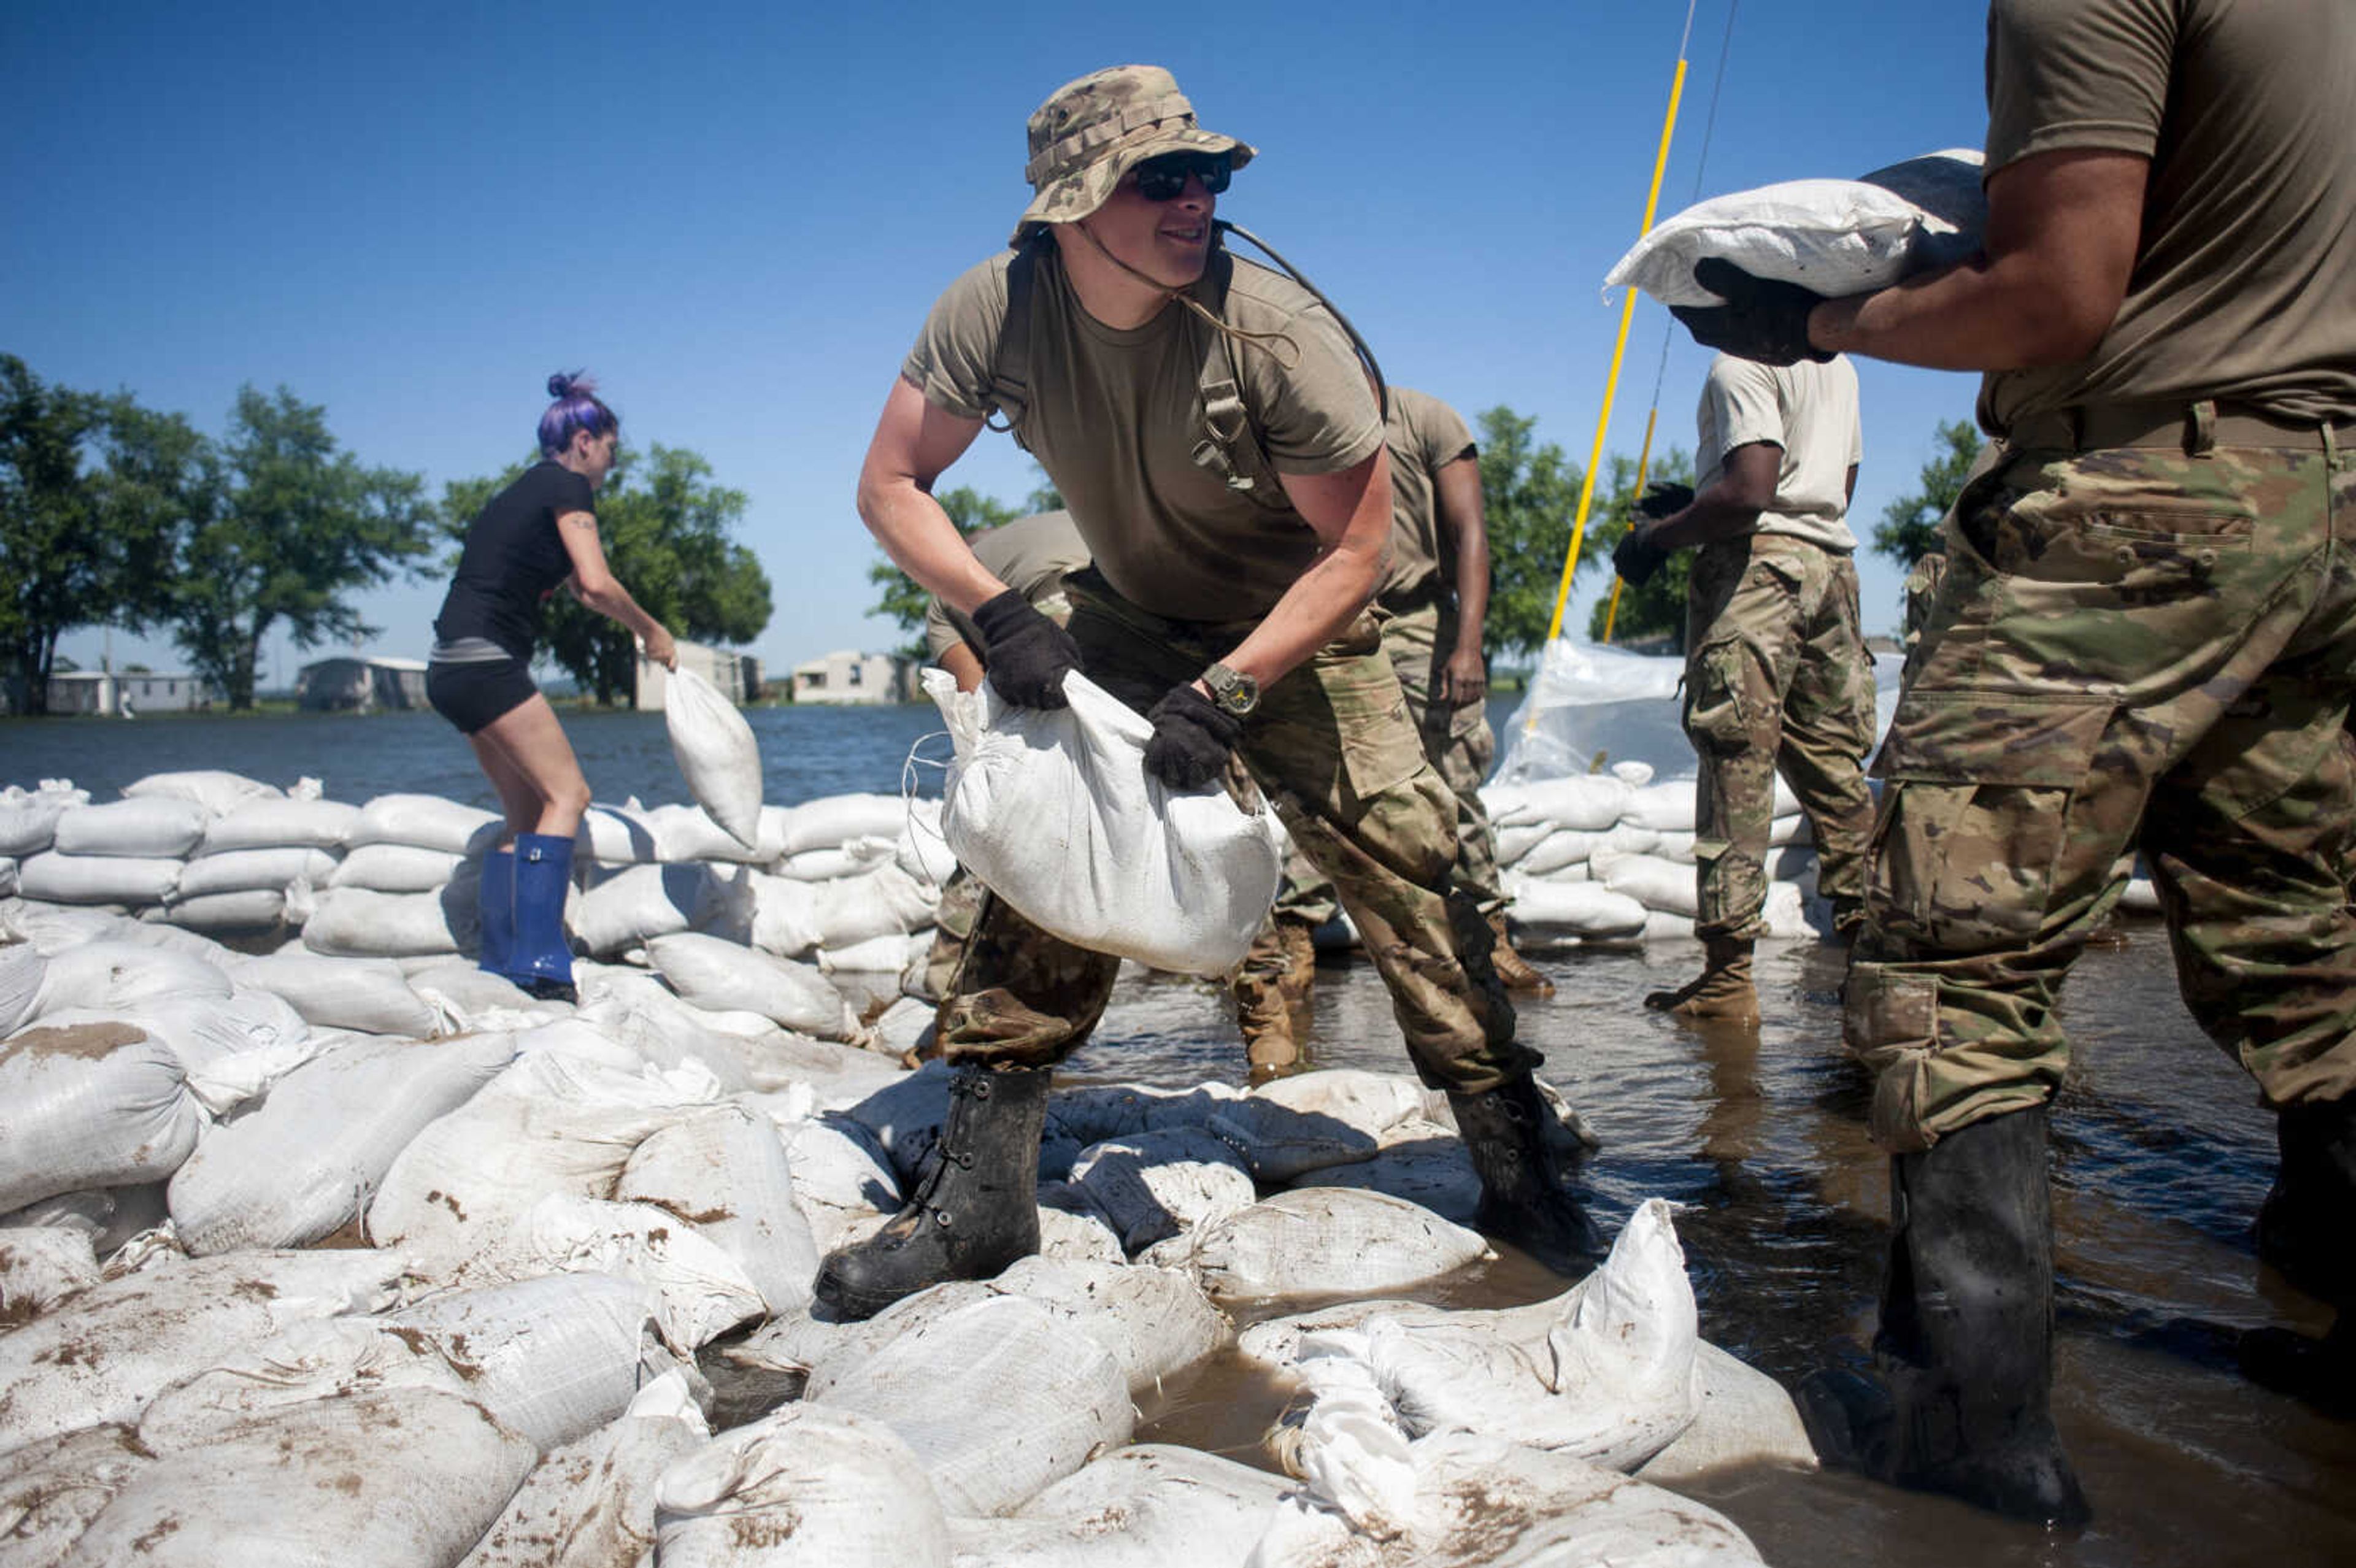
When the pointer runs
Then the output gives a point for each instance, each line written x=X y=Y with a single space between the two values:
x=2134 y=647
x=1331 y=746
x=1778 y=679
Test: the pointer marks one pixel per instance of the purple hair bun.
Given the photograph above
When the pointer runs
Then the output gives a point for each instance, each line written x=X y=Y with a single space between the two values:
x=559 y=385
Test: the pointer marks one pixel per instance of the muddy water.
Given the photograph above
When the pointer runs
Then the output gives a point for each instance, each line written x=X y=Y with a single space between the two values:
x=2161 y=1155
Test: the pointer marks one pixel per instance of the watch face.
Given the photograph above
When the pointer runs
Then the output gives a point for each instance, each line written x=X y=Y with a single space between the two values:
x=1237 y=693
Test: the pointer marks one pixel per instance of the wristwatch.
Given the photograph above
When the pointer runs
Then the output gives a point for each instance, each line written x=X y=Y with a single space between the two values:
x=1233 y=692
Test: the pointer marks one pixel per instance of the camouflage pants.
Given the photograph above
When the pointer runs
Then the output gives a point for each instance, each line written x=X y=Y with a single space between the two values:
x=1331 y=746
x=1777 y=680
x=2132 y=648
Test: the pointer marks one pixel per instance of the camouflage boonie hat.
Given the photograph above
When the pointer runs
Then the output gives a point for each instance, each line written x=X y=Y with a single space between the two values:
x=1091 y=131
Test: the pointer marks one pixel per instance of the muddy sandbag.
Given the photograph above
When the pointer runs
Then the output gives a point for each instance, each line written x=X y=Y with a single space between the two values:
x=1315 y=1119
x=630 y=907
x=426 y=820
x=553 y=1359
x=53 y=1489
x=1321 y=1241
x=389 y=869
x=701 y=1293
x=93 y=1106
x=716 y=752
x=232 y=1047
x=283 y=824
x=402 y=1478
x=997 y=1400
x=40 y=1265
x=726 y=1172
x=1745 y=1418
x=1146 y=1506
x=300 y=1165
x=590 y=1503
x=368 y=995
x=110 y=1216
x=1154 y=1184
x=726 y=976
x=328 y=1357
x=808 y=1487
x=54 y=877
x=157 y=829
x=127 y=1339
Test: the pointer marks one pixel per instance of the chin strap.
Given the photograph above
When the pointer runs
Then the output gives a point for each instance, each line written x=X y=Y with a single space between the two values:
x=1264 y=340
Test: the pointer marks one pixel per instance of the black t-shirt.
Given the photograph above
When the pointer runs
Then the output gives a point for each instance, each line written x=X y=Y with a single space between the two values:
x=513 y=560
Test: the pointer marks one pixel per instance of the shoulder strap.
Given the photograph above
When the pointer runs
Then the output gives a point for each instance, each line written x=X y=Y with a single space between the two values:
x=1010 y=368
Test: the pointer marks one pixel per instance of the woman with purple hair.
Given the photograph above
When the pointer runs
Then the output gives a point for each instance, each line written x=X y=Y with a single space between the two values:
x=537 y=534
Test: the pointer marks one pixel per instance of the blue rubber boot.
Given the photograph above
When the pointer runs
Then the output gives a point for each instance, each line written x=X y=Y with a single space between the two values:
x=497 y=902
x=541 y=959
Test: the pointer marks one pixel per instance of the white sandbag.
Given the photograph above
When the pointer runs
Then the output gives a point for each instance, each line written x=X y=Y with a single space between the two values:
x=254 y=910
x=1660 y=926
x=1584 y=802
x=232 y=1047
x=162 y=829
x=110 y=1216
x=304 y=1163
x=1315 y=1119
x=1745 y=1418
x=722 y=976
x=553 y=1359
x=1664 y=807
x=283 y=824
x=591 y=1503
x=1550 y=910
x=243 y=870
x=1834 y=236
x=94 y=1106
x=1152 y=1186
x=55 y=878
x=353 y=923
x=673 y=1035
x=389 y=869
x=217 y=790
x=1054 y=812
x=831 y=821
x=365 y=994
x=688 y=833
x=1422 y=1162
x=1322 y=1240
x=725 y=1172
x=1558 y=850
x=110 y=975
x=466 y=999
x=793 y=918
x=22 y=969
x=806 y=1486
x=716 y=752
x=1674 y=846
x=1517 y=840
x=1145 y=1506
x=1152 y=1321
x=1656 y=883
x=701 y=1292
x=841 y=1176
x=629 y=908
x=887 y=955
x=617 y=836
x=411 y=1476
x=2139 y=897
x=29 y=819
x=848 y=858
x=1074 y=1230
x=551 y=1122
x=40 y=1265
x=327 y=1358
x=7 y=876
x=1093 y=1113
x=50 y=1490
x=127 y=1339
x=426 y=820
x=957 y=1389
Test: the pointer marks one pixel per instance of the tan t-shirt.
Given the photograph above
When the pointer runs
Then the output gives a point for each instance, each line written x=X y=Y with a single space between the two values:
x=1810 y=410
x=1114 y=416
x=2245 y=281
x=1029 y=555
x=1425 y=435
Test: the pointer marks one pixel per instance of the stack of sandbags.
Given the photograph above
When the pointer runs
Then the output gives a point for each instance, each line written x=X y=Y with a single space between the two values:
x=28 y=820
x=254 y=846
x=127 y=853
x=417 y=848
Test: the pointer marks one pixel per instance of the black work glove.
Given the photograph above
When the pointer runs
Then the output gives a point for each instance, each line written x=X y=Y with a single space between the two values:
x=1636 y=559
x=1191 y=738
x=1025 y=654
x=1762 y=319
x=1664 y=498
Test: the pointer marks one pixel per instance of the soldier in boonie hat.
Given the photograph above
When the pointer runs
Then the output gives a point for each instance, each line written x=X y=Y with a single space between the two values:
x=1091 y=131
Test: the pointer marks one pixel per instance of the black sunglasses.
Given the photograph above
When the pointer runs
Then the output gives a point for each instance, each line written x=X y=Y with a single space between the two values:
x=1164 y=178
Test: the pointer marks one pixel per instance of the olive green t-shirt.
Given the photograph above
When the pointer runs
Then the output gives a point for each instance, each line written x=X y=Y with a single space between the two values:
x=1114 y=416
x=1029 y=555
x=1425 y=435
x=2245 y=281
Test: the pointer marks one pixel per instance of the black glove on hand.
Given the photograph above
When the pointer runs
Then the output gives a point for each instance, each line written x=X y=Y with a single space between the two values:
x=1191 y=738
x=1664 y=498
x=1026 y=655
x=1760 y=320
x=1636 y=558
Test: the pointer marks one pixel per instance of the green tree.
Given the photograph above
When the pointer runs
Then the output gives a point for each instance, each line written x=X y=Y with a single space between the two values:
x=1044 y=496
x=92 y=491
x=1657 y=609
x=296 y=525
x=666 y=528
x=1908 y=528
x=1529 y=494
x=906 y=603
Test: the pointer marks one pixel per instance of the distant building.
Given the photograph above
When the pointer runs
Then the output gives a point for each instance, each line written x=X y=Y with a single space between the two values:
x=350 y=683
x=737 y=677
x=108 y=694
x=849 y=677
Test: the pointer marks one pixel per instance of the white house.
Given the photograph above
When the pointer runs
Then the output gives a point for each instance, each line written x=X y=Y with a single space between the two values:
x=848 y=677
x=737 y=676
x=348 y=681
x=109 y=693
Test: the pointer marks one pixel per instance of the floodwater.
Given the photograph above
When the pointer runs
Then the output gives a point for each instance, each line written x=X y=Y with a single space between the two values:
x=2161 y=1154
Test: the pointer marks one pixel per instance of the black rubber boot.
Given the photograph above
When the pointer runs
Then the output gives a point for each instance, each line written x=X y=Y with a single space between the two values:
x=1522 y=1196
x=976 y=1213
x=2306 y=1229
x=1963 y=1404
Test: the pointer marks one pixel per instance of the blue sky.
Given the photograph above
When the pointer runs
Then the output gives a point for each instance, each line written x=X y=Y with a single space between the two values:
x=736 y=216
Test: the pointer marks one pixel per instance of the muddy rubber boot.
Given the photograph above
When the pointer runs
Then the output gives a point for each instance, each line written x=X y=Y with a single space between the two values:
x=1522 y=1197
x=1511 y=967
x=977 y=1213
x=1266 y=1018
x=495 y=902
x=540 y=960
x=1963 y=1404
x=1723 y=993
x=2303 y=1229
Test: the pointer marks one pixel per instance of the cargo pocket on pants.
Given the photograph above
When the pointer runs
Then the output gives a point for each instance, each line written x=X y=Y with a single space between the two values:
x=1721 y=704
x=1964 y=850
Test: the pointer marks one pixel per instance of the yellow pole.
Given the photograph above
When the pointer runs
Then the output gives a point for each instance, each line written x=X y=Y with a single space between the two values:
x=1612 y=384
x=1644 y=462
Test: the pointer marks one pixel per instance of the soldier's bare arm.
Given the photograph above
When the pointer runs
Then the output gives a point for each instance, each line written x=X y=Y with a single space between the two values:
x=1729 y=505
x=915 y=441
x=2062 y=234
x=1465 y=531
